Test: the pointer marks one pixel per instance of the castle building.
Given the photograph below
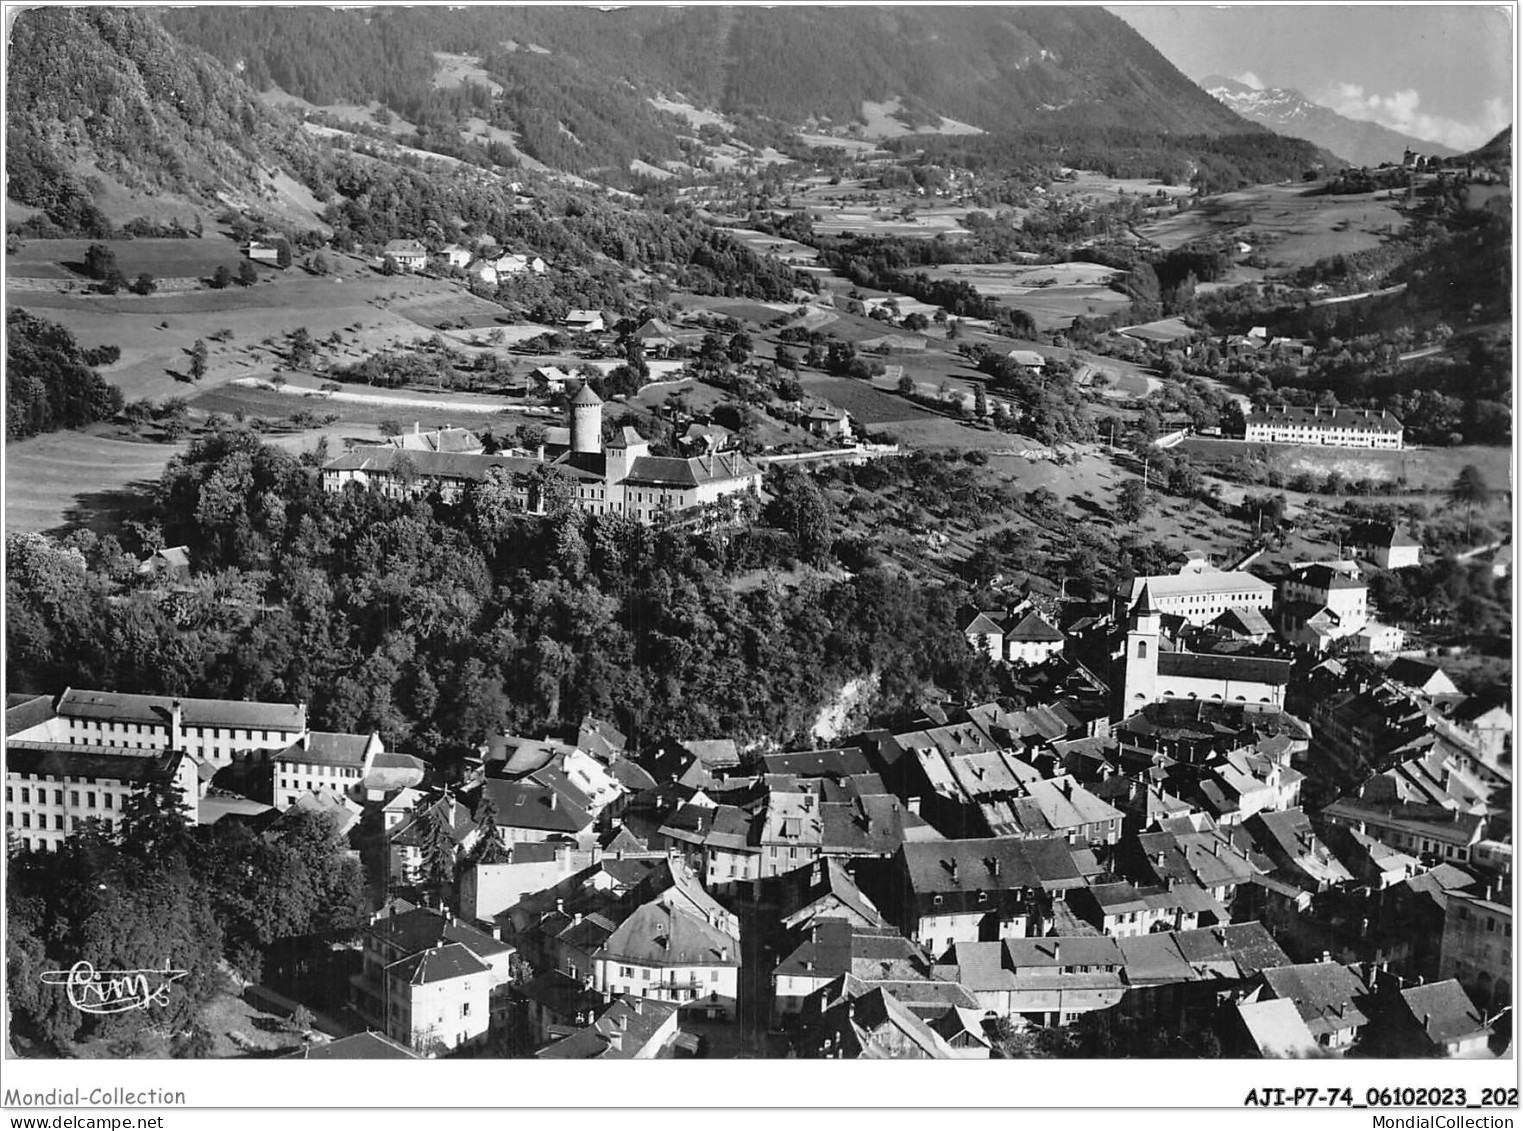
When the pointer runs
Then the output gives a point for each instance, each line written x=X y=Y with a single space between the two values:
x=622 y=477
x=616 y=477
x=1156 y=668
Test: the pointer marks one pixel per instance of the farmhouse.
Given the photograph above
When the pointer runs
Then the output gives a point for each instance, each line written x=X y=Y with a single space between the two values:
x=1385 y=544
x=410 y=255
x=829 y=423
x=1331 y=427
x=172 y=563
x=585 y=321
x=261 y=252
x=453 y=255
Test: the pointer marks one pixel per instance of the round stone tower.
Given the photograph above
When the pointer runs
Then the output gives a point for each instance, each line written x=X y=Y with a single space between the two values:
x=586 y=422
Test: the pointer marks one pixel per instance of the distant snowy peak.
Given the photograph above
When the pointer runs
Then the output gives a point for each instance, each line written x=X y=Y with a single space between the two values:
x=1289 y=112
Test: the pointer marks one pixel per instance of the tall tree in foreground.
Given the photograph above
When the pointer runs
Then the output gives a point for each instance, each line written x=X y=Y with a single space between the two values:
x=1469 y=490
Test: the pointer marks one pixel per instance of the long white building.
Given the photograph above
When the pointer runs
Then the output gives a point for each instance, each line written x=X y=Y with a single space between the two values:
x=1330 y=427
x=1200 y=593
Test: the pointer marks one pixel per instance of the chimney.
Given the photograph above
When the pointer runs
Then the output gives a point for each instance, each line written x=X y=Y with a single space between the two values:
x=554 y=797
x=636 y=1004
x=417 y=428
x=560 y=906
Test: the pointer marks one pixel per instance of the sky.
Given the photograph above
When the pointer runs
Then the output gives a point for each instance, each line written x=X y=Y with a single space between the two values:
x=1438 y=72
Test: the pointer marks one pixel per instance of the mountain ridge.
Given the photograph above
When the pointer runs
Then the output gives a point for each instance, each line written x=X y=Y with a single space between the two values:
x=1287 y=111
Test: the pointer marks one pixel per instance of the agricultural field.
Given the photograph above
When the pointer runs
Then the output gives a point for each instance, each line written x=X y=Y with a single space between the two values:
x=1428 y=469
x=366 y=310
x=1054 y=294
x=66 y=479
x=1301 y=228
x=868 y=406
x=456 y=70
x=163 y=259
x=871 y=221
x=1100 y=189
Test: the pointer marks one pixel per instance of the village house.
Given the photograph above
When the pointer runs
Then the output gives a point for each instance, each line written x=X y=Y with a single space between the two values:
x=322 y=761
x=629 y=1028
x=453 y=255
x=428 y=980
x=584 y=321
x=680 y=946
x=1384 y=544
x=169 y=564
x=833 y=947
x=516 y=263
x=409 y=255
x=943 y=892
x=1476 y=950
x=873 y=1025
x=1437 y=1019
x=1046 y=981
x=1322 y=602
x=1328 y=997
x=405 y=847
x=828 y=423
x=260 y=252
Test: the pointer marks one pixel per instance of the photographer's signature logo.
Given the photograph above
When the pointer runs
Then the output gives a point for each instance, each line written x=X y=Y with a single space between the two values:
x=113 y=991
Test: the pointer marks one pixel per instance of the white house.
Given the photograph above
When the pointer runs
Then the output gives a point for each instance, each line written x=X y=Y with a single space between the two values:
x=323 y=761
x=410 y=255
x=453 y=255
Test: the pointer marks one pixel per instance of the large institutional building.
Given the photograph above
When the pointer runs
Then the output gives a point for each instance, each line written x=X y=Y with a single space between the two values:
x=1333 y=427
x=82 y=754
x=1200 y=592
x=616 y=477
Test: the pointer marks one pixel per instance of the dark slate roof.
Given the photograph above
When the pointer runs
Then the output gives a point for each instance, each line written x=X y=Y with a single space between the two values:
x=1033 y=628
x=819 y=763
x=1444 y=1011
x=28 y=712
x=320 y=748
x=1251 y=669
x=431 y=465
x=112 y=763
x=155 y=710
x=439 y=964
x=529 y=805
x=998 y=869
x=1248 y=946
x=1325 y=994
x=1248 y=621
x=622 y=1030
x=360 y=1046
x=420 y=929
x=672 y=471
x=1379 y=534
x=1325 y=577
x=1361 y=418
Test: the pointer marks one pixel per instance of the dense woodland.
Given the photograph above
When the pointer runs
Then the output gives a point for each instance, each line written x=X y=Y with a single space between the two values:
x=434 y=624
x=49 y=382
x=155 y=893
